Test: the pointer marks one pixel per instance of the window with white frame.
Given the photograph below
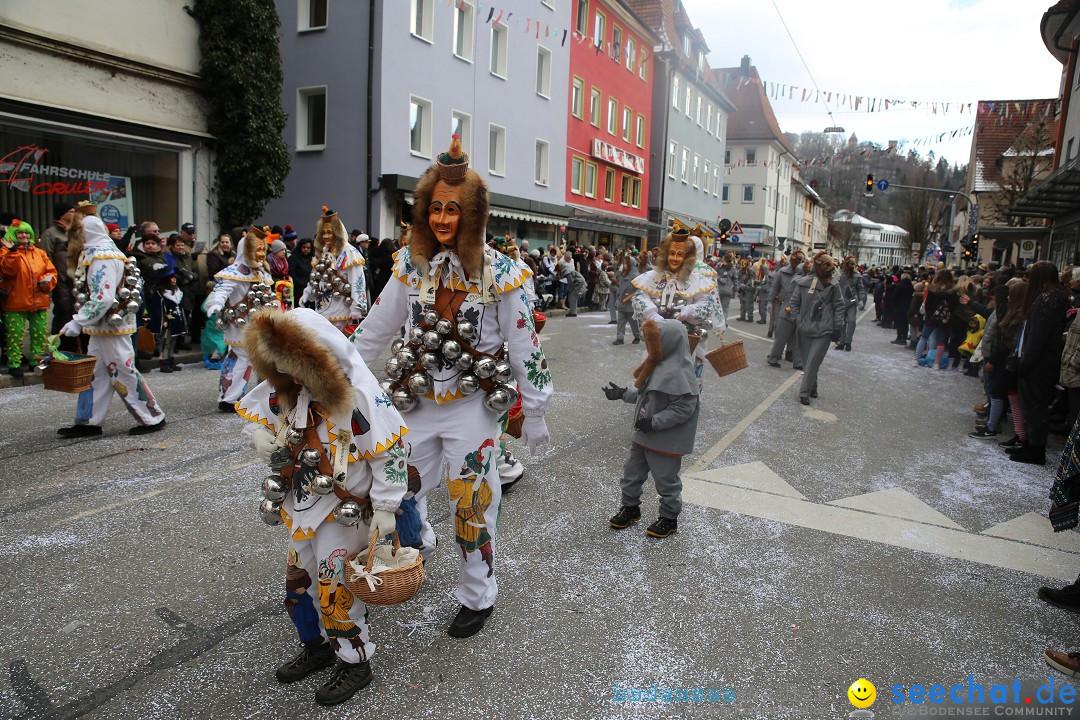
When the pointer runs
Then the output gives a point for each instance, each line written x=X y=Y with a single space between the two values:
x=590 y=179
x=685 y=174
x=689 y=101
x=631 y=54
x=595 y=99
x=751 y=156
x=697 y=170
x=643 y=71
x=708 y=119
x=627 y=123
x=461 y=125
x=543 y=71
x=727 y=156
x=748 y=193
x=499 y=37
x=419 y=126
x=724 y=196
x=616 y=43
x=612 y=116
x=582 y=23
x=635 y=192
x=540 y=169
x=641 y=131
x=609 y=185
x=311 y=118
x=421 y=18
x=464 y=24
x=577 y=91
x=599 y=29
x=496 y=149
x=700 y=115
x=672 y=158
x=313 y=15
x=688 y=46
x=675 y=96
x=625 y=192
x=577 y=175
x=705 y=177
x=716 y=182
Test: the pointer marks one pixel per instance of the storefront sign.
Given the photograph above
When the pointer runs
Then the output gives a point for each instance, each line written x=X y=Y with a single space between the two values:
x=617 y=156
x=1027 y=249
x=21 y=169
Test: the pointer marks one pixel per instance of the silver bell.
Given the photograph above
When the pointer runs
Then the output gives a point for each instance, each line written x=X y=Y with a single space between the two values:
x=406 y=357
x=256 y=304
x=451 y=349
x=293 y=437
x=430 y=318
x=132 y=307
x=396 y=346
x=219 y=323
x=116 y=320
x=241 y=308
x=240 y=322
x=503 y=372
x=466 y=330
x=465 y=362
x=394 y=368
x=228 y=313
x=468 y=384
x=130 y=261
x=500 y=399
x=270 y=512
x=386 y=385
x=430 y=361
x=416 y=335
x=420 y=383
x=136 y=297
x=321 y=266
x=347 y=513
x=131 y=281
x=322 y=484
x=485 y=367
x=404 y=400
x=337 y=293
x=432 y=339
x=123 y=293
x=82 y=298
x=310 y=457
x=274 y=489
x=115 y=305
x=444 y=327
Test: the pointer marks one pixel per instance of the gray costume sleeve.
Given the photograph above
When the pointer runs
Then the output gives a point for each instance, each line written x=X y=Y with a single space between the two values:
x=679 y=410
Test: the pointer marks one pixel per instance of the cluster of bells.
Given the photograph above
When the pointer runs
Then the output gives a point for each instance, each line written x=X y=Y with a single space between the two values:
x=275 y=488
x=258 y=295
x=128 y=298
x=672 y=311
x=328 y=281
x=430 y=344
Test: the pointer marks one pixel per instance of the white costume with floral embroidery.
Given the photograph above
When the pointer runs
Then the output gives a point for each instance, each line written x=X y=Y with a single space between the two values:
x=233 y=285
x=377 y=470
x=103 y=265
x=453 y=438
x=340 y=310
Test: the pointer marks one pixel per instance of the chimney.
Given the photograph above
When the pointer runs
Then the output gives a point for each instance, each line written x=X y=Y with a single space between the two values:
x=745 y=65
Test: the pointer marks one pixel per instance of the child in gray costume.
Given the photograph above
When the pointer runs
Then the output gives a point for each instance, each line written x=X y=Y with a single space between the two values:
x=665 y=422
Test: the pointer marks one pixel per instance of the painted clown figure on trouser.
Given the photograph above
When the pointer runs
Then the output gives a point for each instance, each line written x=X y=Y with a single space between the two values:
x=469 y=337
x=817 y=304
x=242 y=289
x=337 y=290
x=333 y=441
x=666 y=397
x=108 y=291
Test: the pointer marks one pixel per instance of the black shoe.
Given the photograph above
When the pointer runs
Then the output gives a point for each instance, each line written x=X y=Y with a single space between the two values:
x=636 y=341
x=1013 y=449
x=813 y=393
x=570 y=315
x=898 y=342
x=839 y=346
x=166 y=366
x=612 y=322
x=174 y=366
x=796 y=367
x=468 y=622
x=761 y=322
x=617 y=342
x=15 y=372
x=76 y=431
x=663 y=527
x=225 y=407
x=847 y=347
x=1030 y=455
x=981 y=433
x=804 y=400
x=787 y=356
x=147 y=429
x=1014 y=441
x=768 y=334
x=345 y=681
x=312 y=658
x=627 y=516
x=1067 y=598
x=772 y=363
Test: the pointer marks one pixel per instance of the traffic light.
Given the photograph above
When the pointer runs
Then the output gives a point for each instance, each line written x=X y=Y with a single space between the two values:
x=752 y=248
x=976 y=238
x=723 y=236
x=869 y=183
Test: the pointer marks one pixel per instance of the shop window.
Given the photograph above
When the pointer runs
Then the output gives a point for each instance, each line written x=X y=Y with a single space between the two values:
x=313 y=14
x=311 y=118
x=464 y=30
x=421 y=17
x=499 y=36
x=496 y=150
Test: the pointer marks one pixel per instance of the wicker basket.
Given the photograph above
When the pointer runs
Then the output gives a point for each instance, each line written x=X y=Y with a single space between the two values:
x=398 y=584
x=728 y=358
x=693 y=339
x=72 y=375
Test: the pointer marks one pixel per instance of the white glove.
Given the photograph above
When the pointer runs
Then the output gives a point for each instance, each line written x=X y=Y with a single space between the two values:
x=72 y=329
x=534 y=432
x=384 y=522
x=650 y=313
x=262 y=439
x=686 y=315
x=212 y=309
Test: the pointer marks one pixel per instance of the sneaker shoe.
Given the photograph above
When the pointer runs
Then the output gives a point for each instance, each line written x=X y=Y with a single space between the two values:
x=663 y=527
x=898 y=342
x=311 y=659
x=1013 y=449
x=76 y=431
x=345 y=681
x=468 y=622
x=617 y=342
x=1014 y=441
x=569 y=314
x=1066 y=598
x=1067 y=663
x=147 y=429
x=983 y=433
x=627 y=516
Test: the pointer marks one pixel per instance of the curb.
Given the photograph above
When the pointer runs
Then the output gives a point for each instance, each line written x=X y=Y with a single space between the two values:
x=33 y=378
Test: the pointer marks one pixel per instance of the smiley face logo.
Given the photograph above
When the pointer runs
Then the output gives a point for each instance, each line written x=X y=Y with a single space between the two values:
x=862 y=693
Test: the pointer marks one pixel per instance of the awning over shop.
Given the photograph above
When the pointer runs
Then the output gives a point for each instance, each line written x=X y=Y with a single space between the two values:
x=601 y=221
x=527 y=216
x=1055 y=196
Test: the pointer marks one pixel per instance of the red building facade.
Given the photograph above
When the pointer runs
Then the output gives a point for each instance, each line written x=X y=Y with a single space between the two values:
x=608 y=124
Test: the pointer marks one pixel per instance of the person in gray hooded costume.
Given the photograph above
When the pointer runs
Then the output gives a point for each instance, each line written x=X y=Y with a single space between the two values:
x=817 y=304
x=784 y=322
x=665 y=394
x=853 y=286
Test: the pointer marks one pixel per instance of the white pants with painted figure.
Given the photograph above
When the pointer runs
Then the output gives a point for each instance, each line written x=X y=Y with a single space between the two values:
x=461 y=439
x=318 y=601
x=115 y=372
x=235 y=375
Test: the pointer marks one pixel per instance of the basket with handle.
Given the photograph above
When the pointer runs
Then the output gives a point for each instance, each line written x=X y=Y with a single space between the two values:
x=693 y=338
x=728 y=358
x=391 y=586
x=68 y=372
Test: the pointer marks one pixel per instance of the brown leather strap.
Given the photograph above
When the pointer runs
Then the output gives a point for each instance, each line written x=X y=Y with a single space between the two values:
x=311 y=440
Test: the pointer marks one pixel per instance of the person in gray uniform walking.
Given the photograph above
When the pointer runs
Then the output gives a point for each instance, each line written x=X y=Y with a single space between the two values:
x=783 y=322
x=762 y=280
x=624 y=290
x=666 y=395
x=852 y=286
x=727 y=281
x=745 y=278
x=817 y=304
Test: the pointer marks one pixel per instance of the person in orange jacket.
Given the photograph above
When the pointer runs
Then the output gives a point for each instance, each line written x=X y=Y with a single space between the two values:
x=29 y=278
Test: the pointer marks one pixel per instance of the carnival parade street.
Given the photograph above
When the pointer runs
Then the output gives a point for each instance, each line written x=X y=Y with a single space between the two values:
x=862 y=538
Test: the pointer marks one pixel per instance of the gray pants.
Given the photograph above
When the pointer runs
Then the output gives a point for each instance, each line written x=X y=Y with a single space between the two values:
x=626 y=316
x=785 y=336
x=725 y=300
x=849 y=322
x=746 y=304
x=572 y=300
x=814 y=350
x=763 y=306
x=665 y=472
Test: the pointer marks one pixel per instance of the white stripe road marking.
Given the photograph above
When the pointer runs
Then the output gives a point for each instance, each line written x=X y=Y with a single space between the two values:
x=153 y=493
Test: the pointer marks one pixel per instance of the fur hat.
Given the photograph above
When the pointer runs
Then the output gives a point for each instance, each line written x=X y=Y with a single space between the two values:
x=85 y=207
x=691 y=252
x=341 y=235
x=470 y=234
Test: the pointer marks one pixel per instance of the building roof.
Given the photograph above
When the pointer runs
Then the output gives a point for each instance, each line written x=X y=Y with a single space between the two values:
x=893 y=229
x=999 y=127
x=847 y=216
x=1059 y=23
x=753 y=118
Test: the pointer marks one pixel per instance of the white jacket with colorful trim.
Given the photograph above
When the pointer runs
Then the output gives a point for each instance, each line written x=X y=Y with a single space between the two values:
x=233 y=285
x=104 y=266
x=350 y=262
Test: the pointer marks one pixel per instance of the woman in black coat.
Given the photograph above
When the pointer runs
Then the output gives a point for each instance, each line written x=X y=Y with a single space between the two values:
x=899 y=299
x=300 y=266
x=381 y=262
